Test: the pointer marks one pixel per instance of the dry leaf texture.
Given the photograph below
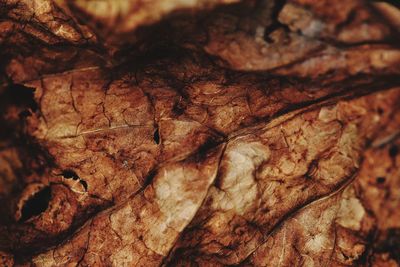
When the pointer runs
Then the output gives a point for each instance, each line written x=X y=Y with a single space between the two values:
x=199 y=133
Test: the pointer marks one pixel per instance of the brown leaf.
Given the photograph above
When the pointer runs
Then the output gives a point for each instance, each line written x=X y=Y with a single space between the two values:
x=199 y=133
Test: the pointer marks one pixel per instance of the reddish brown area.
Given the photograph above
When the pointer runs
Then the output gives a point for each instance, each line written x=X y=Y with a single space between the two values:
x=199 y=133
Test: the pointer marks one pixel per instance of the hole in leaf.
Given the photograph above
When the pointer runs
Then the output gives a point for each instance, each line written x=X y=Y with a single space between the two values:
x=156 y=136
x=393 y=151
x=22 y=96
x=84 y=184
x=276 y=24
x=70 y=174
x=37 y=204
x=380 y=180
